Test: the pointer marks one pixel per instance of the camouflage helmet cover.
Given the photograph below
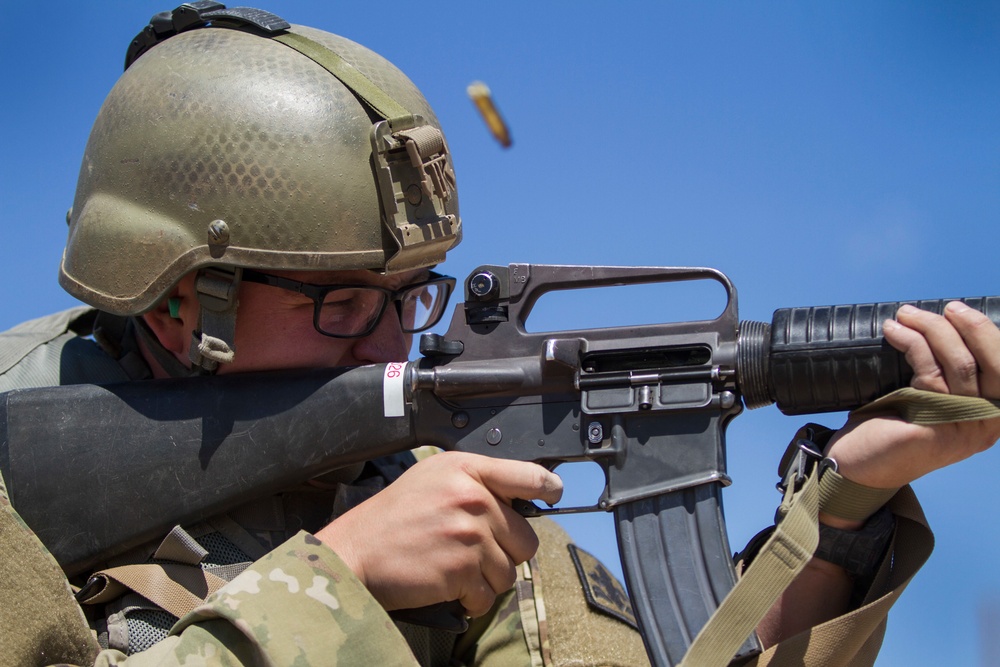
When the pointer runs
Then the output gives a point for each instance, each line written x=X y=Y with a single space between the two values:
x=220 y=147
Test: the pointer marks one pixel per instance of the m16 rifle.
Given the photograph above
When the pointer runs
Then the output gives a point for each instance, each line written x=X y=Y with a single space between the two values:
x=650 y=404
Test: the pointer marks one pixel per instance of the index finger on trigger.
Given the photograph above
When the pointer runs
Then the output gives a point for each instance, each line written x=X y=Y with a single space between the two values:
x=982 y=337
x=520 y=479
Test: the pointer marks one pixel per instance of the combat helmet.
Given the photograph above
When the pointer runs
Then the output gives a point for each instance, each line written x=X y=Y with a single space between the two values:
x=236 y=140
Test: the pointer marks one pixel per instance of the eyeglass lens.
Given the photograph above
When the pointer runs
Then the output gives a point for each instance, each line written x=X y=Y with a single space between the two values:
x=350 y=311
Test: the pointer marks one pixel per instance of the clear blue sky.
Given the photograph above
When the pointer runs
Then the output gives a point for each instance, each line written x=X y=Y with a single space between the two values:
x=818 y=153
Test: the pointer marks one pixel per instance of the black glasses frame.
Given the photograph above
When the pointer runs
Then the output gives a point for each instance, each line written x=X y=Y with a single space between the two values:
x=318 y=294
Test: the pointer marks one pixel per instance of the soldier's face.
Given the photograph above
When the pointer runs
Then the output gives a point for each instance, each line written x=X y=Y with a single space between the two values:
x=274 y=327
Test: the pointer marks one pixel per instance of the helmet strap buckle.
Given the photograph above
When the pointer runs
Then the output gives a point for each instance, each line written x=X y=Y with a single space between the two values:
x=213 y=343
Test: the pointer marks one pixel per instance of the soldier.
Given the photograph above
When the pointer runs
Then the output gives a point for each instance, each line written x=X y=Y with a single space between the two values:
x=260 y=196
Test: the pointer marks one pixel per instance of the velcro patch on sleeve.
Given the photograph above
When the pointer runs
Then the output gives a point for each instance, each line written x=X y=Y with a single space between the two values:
x=603 y=591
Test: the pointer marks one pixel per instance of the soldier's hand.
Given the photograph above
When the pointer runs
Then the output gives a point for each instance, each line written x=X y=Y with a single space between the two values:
x=444 y=531
x=957 y=353
x=954 y=353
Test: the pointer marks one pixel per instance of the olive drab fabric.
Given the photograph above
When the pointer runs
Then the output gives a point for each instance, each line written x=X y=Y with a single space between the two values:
x=577 y=631
x=40 y=623
x=49 y=351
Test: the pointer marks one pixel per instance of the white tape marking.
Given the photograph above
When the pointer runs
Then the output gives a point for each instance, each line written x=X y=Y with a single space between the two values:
x=392 y=390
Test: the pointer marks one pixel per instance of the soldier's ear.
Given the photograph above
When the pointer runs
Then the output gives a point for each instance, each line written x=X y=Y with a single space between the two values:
x=175 y=317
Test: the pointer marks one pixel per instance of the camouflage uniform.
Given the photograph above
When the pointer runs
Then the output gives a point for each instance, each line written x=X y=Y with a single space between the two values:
x=295 y=604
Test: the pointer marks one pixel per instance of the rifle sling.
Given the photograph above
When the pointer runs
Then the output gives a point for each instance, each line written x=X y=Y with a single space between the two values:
x=788 y=550
x=780 y=560
x=918 y=406
x=176 y=588
x=840 y=497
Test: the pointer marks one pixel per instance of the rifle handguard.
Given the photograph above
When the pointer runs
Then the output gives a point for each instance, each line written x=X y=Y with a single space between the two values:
x=829 y=358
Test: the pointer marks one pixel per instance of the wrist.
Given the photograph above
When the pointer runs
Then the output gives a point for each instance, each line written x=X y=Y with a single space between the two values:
x=840 y=523
x=854 y=527
x=330 y=536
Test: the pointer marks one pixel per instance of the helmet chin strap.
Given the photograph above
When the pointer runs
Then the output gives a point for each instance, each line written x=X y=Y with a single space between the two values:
x=170 y=364
x=212 y=342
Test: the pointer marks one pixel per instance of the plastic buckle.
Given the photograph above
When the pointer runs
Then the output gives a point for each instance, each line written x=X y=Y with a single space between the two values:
x=217 y=288
x=192 y=14
x=91 y=588
x=213 y=342
x=164 y=25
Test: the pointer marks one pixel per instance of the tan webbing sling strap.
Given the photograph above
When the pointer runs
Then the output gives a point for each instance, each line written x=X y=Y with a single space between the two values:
x=929 y=407
x=788 y=550
x=780 y=560
x=176 y=588
x=854 y=639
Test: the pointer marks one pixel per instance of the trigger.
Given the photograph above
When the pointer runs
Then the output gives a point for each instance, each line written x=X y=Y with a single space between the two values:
x=526 y=508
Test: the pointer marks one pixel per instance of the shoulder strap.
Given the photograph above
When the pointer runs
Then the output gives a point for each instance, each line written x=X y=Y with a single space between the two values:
x=175 y=587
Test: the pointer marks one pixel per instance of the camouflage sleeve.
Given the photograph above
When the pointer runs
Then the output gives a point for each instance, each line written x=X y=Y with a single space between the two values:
x=497 y=638
x=297 y=605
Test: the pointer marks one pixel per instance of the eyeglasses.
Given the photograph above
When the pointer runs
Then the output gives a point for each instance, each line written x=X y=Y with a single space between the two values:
x=353 y=311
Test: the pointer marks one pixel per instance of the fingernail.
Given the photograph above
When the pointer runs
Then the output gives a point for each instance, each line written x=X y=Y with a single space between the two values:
x=906 y=309
x=890 y=325
x=956 y=307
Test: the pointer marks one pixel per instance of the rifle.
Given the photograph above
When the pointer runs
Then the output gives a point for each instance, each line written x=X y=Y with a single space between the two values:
x=650 y=404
